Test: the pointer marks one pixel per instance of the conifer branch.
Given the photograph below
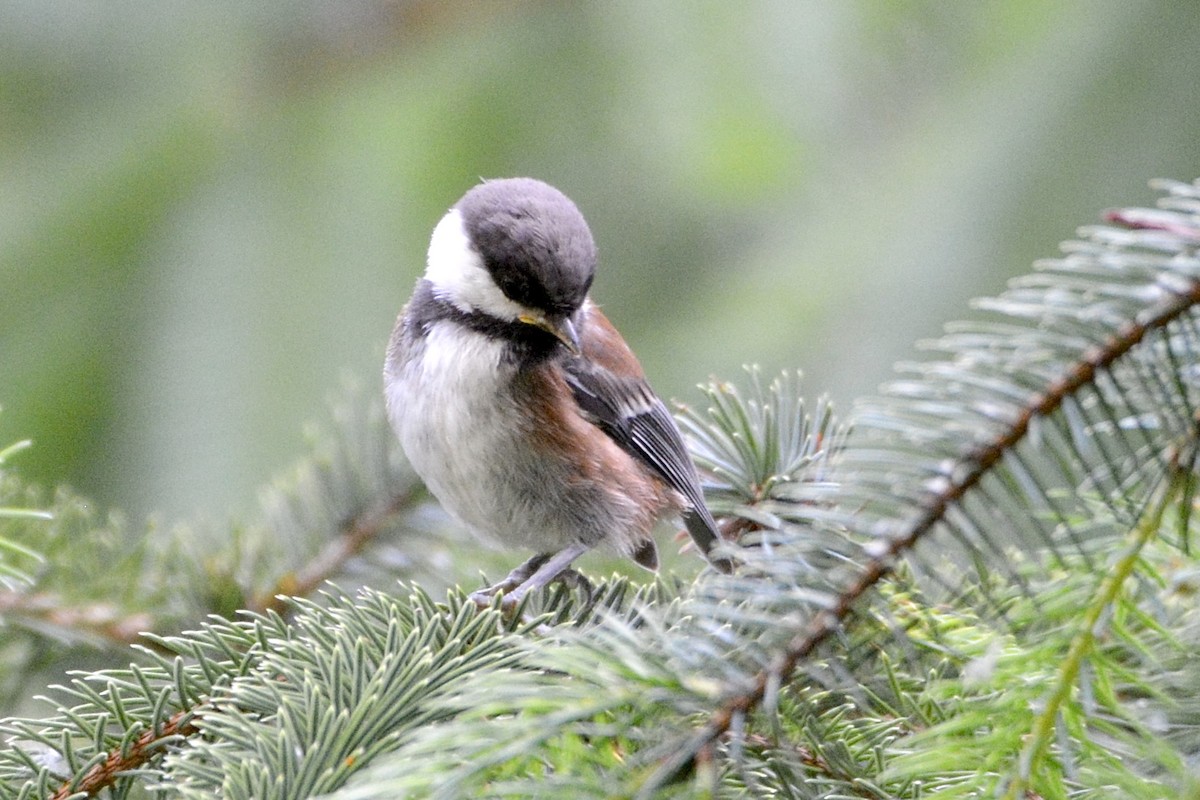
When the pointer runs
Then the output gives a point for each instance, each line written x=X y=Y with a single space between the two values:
x=1085 y=639
x=102 y=621
x=148 y=745
x=354 y=534
x=973 y=467
x=1176 y=293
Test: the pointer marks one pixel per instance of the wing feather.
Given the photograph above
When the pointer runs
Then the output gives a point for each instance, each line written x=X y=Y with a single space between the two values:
x=633 y=416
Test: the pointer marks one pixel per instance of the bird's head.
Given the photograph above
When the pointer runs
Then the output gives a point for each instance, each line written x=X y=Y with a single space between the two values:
x=517 y=250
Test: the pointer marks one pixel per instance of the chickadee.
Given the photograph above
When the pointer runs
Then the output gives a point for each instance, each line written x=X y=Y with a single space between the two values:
x=520 y=405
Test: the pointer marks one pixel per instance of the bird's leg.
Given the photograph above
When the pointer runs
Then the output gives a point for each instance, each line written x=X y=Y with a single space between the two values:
x=483 y=597
x=551 y=569
x=534 y=574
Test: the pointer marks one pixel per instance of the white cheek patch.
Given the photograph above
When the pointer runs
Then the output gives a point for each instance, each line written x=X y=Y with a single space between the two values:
x=458 y=274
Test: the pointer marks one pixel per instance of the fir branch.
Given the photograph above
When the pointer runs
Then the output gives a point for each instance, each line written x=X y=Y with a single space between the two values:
x=225 y=709
x=98 y=622
x=354 y=535
x=69 y=602
x=106 y=738
x=135 y=755
x=345 y=496
x=11 y=575
x=1161 y=294
x=1085 y=640
x=960 y=478
x=333 y=506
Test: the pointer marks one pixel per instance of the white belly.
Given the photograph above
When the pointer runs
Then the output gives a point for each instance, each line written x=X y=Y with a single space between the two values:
x=455 y=390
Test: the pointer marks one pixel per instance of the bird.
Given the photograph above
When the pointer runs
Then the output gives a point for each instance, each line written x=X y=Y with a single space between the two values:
x=519 y=404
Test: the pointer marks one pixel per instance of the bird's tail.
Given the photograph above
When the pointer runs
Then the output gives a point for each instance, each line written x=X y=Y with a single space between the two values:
x=703 y=530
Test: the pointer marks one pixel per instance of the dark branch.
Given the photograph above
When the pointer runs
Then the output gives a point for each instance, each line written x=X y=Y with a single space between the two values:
x=976 y=464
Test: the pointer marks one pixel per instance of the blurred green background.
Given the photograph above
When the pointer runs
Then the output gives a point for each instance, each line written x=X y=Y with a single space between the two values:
x=210 y=213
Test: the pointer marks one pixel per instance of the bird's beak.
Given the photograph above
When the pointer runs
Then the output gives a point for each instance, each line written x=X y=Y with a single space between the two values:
x=563 y=329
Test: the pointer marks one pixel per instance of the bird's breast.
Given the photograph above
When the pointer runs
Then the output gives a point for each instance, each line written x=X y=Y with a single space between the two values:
x=442 y=402
x=450 y=402
x=462 y=410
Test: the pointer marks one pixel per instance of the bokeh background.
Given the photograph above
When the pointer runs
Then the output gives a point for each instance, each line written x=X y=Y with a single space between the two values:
x=210 y=213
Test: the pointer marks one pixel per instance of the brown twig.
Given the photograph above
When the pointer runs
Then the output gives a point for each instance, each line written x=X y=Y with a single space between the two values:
x=99 y=620
x=100 y=777
x=353 y=535
x=977 y=464
x=1147 y=220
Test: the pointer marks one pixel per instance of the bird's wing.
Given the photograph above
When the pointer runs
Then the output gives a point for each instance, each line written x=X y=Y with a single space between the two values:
x=612 y=392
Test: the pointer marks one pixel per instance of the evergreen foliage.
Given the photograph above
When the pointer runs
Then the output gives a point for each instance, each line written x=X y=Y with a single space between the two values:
x=12 y=576
x=984 y=585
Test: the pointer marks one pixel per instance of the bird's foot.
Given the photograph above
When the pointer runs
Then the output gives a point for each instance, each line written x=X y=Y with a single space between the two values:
x=534 y=574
